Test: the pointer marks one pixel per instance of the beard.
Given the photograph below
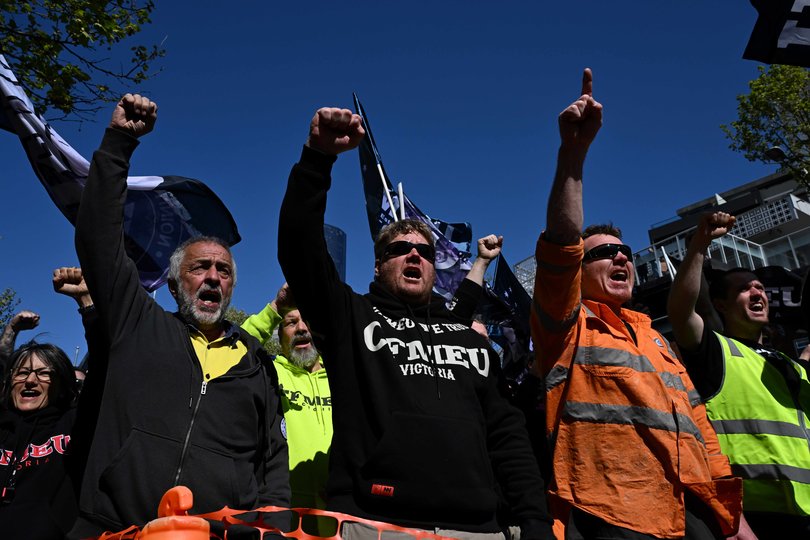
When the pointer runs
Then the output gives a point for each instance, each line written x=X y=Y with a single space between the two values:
x=201 y=318
x=303 y=358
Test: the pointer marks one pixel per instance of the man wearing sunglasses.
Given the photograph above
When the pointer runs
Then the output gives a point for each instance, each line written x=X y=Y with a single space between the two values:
x=632 y=457
x=757 y=398
x=421 y=433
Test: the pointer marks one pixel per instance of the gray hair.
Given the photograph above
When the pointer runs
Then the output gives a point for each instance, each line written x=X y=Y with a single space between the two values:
x=180 y=253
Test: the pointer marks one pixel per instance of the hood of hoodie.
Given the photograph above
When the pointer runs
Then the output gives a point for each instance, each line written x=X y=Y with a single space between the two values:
x=45 y=416
x=388 y=302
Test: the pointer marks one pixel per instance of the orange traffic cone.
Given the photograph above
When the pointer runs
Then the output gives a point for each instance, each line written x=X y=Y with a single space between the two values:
x=173 y=522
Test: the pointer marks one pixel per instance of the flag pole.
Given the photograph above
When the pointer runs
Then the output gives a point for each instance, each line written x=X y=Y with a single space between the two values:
x=387 y=191
x=401 y=201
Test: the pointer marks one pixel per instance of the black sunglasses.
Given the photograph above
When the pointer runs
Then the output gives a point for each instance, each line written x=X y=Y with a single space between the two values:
x=607 y=251
x=401 y=247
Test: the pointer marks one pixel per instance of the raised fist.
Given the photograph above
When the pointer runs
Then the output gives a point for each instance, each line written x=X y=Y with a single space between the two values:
x=284 y=301
x=490 y=246
x=135 y=115
x=333 y=131
x=713 y=225
x=24 y=320
x=70 y=282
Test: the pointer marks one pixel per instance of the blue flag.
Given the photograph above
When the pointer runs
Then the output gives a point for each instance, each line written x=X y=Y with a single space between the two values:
x=383 y=204
x=160 y=212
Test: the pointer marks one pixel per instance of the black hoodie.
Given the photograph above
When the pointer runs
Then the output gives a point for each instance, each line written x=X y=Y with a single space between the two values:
x=35 y=444
x=421 y=433
x=158 y=425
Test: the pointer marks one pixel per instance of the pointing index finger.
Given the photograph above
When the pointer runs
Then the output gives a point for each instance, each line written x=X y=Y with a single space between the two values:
x=587 y=82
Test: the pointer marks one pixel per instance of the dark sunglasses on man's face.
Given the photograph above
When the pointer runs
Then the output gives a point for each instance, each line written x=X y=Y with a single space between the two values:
x=607 y=251
x=401 y=247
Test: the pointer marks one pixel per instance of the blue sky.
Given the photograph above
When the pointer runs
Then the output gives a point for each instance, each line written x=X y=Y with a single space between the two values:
x=463 y=97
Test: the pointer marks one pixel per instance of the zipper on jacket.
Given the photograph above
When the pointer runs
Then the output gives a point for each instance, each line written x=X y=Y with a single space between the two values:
x=203 y=389
x=187 y=440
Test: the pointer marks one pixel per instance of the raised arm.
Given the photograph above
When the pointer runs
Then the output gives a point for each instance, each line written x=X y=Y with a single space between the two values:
x=302 y=251
x=24 y=320
x=687 y=325
x=467 y=297
x=578 y=123
x=559 y=250
x=262 y=325
x=489 y=247
x=111 y=276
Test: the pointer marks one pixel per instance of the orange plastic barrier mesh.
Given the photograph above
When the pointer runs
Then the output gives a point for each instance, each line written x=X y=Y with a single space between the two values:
x=174 y=523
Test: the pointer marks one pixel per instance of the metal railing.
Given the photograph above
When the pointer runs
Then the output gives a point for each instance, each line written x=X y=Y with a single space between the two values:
x=654 y=262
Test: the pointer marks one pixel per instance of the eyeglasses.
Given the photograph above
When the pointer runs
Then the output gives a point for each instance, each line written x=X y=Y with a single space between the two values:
x=43 y=374
x=401 y=247
x=607 y=251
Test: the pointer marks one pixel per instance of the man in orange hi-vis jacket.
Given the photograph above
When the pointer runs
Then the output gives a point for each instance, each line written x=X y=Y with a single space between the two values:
x=633 y=454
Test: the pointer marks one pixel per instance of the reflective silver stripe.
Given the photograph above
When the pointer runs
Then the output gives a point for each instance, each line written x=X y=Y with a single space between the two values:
x=673 y=381
x=556 y=377
x=603 y=356
x=631 y=415
x=772 y=472
x=752 y=427
x=588 y=311
x=553 y=325
x=732 y=347
x=694 y=398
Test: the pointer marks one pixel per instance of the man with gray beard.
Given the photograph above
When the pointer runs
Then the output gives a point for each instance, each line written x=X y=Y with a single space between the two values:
x=189 y=399
x=306 y=399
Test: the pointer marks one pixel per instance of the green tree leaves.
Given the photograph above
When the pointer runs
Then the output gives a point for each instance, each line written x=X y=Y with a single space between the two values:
x=237 y=316
x=59 y=51
x=8 y=303
x=775 y=113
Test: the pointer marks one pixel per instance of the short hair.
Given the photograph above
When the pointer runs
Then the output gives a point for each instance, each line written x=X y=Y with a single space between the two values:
x=62 y=390
x=403 y=226
x=602 y=228
x=179 y=254
x=718 y=288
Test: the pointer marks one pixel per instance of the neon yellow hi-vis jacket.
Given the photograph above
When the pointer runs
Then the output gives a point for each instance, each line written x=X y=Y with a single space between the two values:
x=307 y=404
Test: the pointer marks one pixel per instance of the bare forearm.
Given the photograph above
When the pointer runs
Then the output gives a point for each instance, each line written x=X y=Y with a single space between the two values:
x=7 y=340
x=564 y=216
x=479 y=268
x=683 y=296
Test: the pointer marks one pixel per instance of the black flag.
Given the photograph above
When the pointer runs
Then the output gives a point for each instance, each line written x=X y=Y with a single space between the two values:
x=505 y=310
x=781 y=34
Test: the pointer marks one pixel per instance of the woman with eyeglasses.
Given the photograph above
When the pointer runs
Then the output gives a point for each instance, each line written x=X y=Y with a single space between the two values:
x=37 y=414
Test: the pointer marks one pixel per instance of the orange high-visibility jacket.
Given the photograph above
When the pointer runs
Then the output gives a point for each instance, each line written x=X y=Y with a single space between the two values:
x=628 y=431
